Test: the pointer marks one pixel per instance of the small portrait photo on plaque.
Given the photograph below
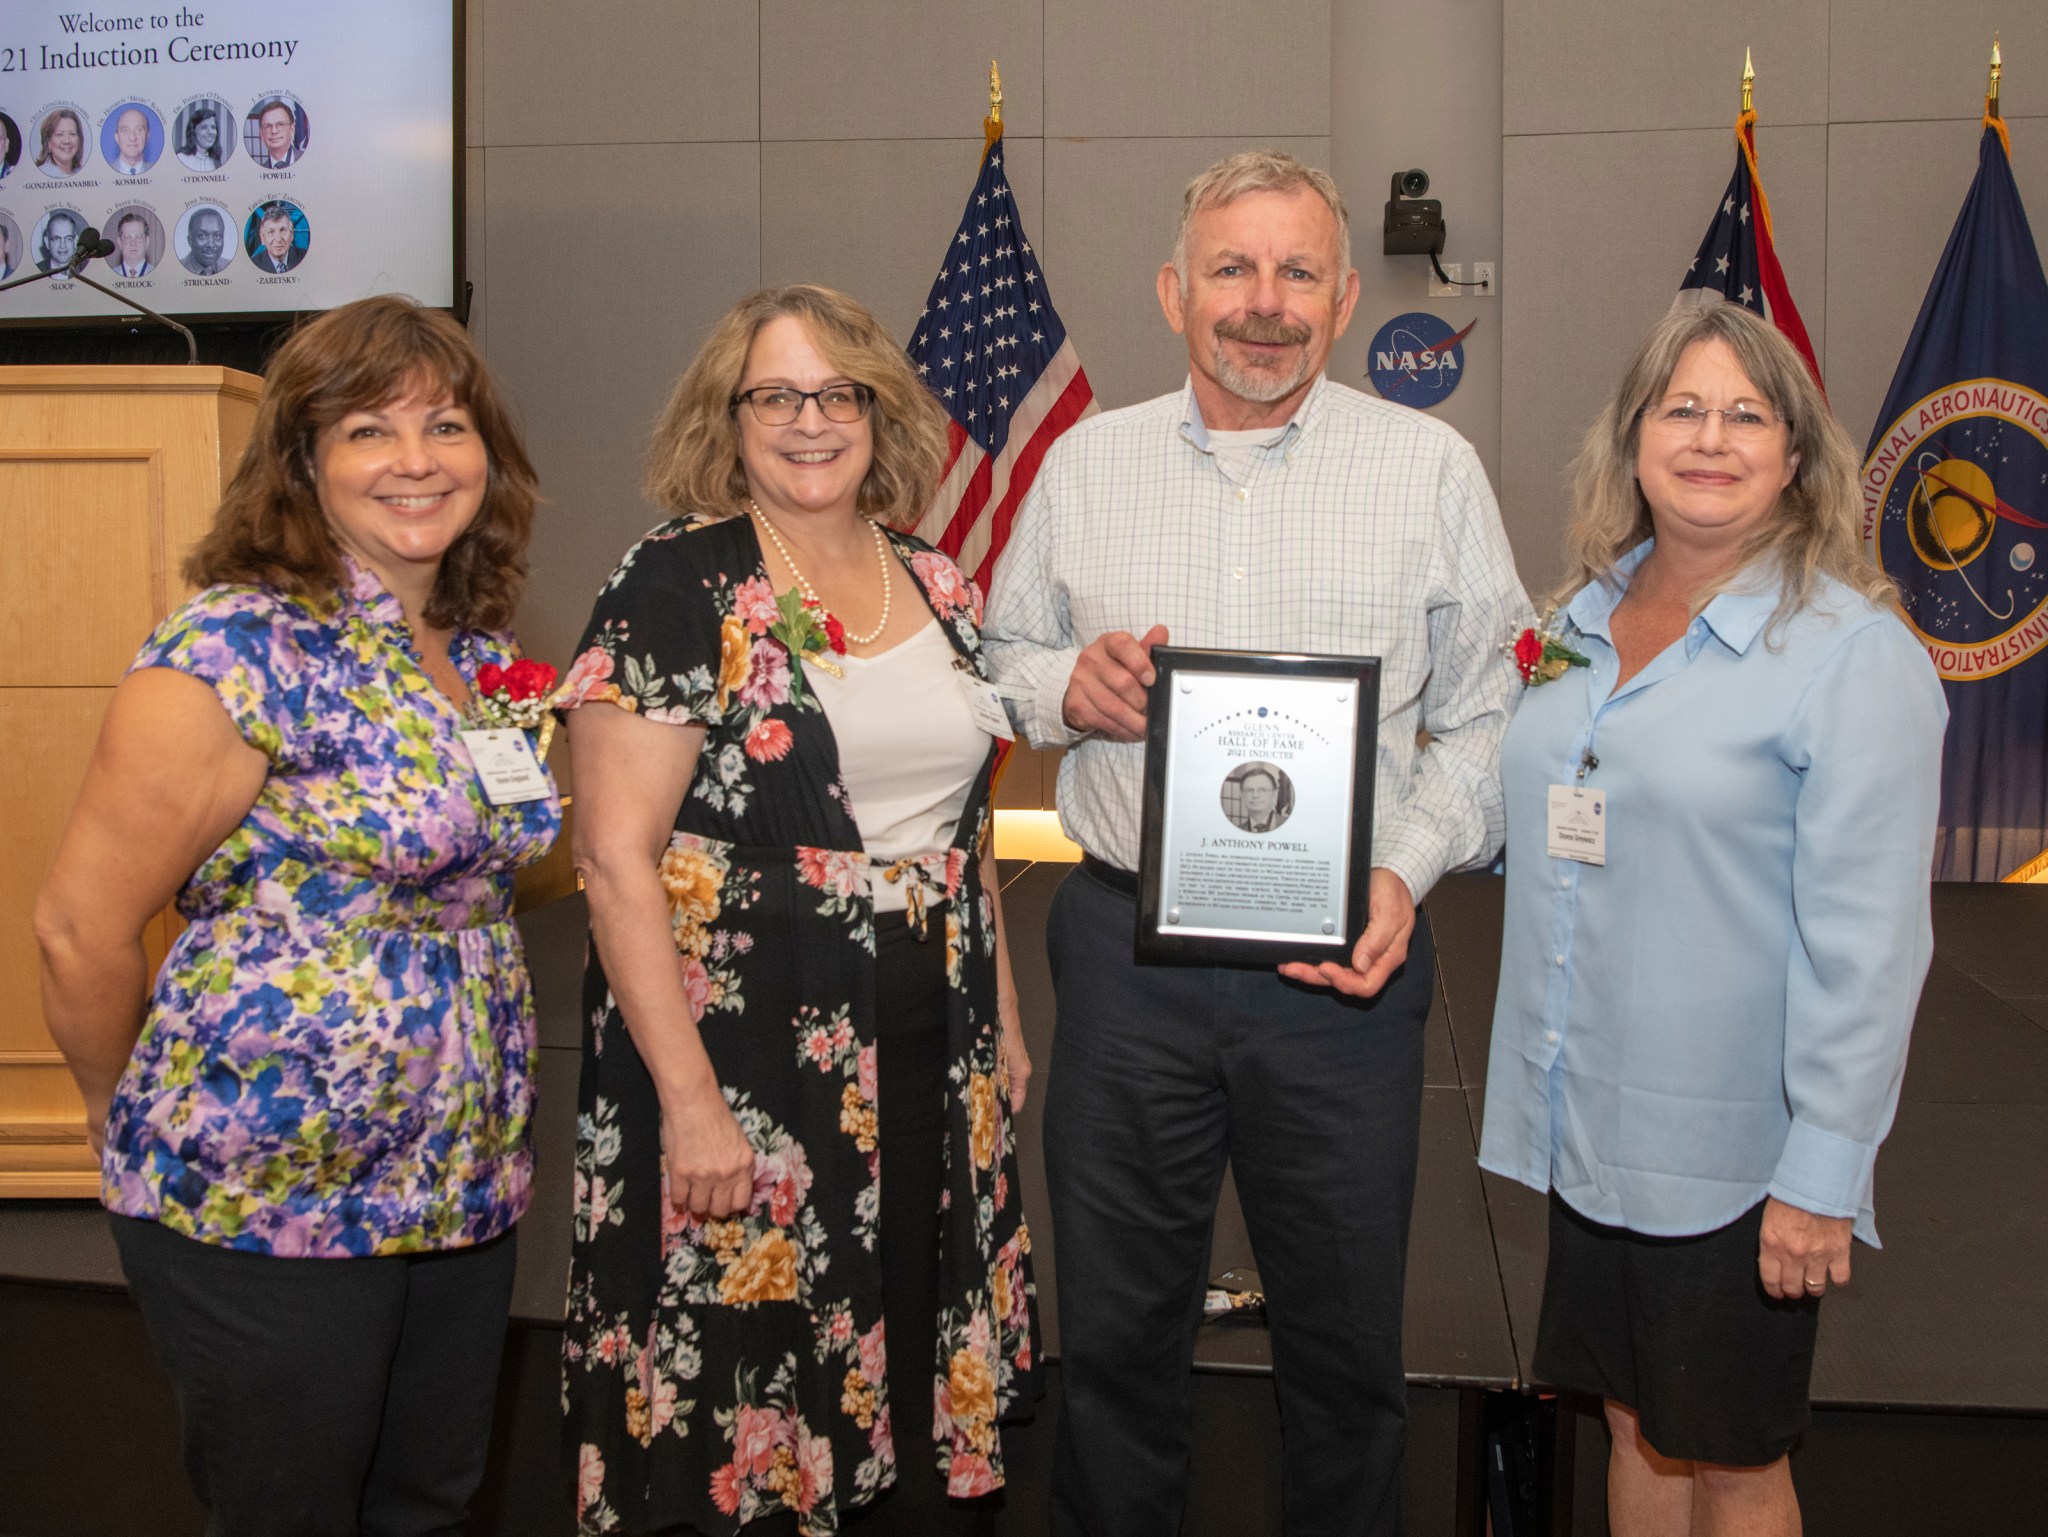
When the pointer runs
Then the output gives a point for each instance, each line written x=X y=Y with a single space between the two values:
x=1257 y=826
x=1257 y=797
x=10 y=146
x=11 y=245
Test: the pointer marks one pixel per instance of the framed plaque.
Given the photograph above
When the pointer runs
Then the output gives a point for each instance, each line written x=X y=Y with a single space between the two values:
x=1258 y=807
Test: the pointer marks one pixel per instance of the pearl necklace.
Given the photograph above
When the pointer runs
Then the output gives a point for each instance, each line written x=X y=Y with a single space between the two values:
x=811 y=593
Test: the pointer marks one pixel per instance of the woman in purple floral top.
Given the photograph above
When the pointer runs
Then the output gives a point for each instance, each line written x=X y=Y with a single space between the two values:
x=314 y=1127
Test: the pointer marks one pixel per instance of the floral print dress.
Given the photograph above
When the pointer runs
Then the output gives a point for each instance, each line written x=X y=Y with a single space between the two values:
x=719 y=1371
x=337 y=1059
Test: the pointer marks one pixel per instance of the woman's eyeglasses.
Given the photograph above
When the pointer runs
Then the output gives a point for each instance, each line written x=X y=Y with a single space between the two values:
x=1681 y=416
x=777 y=407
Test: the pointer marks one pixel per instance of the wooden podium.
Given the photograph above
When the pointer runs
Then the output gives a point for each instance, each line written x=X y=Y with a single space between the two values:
x=107 y=477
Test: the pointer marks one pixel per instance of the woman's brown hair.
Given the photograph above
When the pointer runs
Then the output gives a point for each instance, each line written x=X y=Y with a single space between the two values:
x=694 y=463
x=270 y=529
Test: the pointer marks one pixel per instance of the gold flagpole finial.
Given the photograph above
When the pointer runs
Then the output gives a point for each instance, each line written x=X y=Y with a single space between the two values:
x=1748 y=80
x=992 y=125
x=1997 y=68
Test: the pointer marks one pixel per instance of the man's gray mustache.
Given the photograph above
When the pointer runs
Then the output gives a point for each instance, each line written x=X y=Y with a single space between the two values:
x=1271 y=333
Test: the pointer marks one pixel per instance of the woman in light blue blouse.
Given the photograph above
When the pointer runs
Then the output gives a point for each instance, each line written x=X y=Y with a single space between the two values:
x=1719 y=836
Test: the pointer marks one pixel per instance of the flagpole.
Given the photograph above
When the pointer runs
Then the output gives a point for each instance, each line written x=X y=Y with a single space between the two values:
x=1748 y=81
x=992 y=125
x=1992 y=120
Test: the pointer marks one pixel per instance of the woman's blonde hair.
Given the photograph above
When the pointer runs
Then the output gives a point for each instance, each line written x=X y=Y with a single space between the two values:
x=1815 y=531
x=693 y=465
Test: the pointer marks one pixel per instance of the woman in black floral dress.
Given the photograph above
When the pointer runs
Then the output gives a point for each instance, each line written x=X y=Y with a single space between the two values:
x=799 y=976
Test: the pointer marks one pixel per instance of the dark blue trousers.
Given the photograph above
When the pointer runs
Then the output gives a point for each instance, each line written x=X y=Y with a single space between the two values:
x=1159 y=1076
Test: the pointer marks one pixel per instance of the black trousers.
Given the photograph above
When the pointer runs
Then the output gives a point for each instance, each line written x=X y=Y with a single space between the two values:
x=326 y=1397
x=1159 y=1075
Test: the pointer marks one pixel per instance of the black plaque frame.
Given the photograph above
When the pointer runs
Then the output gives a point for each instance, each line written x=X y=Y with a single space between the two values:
x=1156 y=948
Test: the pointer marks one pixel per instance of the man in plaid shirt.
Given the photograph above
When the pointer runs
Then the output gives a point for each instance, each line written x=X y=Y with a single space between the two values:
x=1262 y=507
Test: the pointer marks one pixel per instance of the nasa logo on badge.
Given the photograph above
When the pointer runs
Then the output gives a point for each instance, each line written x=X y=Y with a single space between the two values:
x=1417 y=359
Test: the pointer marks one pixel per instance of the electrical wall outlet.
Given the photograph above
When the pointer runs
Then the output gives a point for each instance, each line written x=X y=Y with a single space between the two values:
x=1452 y=270
x=1489 y=284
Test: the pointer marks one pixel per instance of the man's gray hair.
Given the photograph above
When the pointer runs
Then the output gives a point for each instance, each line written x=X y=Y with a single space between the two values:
x=1258 y=170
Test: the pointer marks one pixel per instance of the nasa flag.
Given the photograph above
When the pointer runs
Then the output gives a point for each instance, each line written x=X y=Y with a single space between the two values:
x=1738 y=259
x=1955 y=507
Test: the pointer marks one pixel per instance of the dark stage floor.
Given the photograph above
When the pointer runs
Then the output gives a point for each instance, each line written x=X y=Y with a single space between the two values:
x=1931 y=1383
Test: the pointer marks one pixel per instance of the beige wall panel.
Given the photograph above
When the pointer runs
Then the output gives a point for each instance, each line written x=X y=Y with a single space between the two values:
x=619 y=72
x=906 y=196
x=1448 y=124
x=1576 y=307
x=83 y=542
x=1578 y=66
x=1894 y=192
x=1111 y=209
x=613 y=269
x=49 y=733
x=912 y=69
x=1157 y=67
x=1890 y=60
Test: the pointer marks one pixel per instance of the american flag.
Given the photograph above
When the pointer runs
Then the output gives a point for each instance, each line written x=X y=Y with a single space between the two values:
x=1738 y=260
x=990 y=346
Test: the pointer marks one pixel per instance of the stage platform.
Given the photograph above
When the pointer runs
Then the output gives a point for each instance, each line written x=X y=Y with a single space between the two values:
x=1931 y=1383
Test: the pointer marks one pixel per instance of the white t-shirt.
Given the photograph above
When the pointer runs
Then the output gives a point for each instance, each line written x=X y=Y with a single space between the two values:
x=908 y=749
x=1234 y=450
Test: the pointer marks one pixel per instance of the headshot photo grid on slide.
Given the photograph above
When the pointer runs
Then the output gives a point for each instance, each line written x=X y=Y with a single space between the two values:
x=192 y=131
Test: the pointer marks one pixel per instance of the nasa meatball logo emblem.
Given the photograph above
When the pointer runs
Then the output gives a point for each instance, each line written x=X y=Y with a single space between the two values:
x=1959 y=485
x=1417 y=359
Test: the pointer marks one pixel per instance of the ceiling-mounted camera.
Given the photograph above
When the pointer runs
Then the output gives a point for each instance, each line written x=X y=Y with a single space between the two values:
x=1415 y=224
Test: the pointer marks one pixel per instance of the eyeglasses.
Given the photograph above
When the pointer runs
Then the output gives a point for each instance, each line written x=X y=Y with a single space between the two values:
x=776 y=407
x=1682 y=416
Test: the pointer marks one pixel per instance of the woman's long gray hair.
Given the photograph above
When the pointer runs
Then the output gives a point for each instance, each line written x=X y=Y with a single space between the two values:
x=1814 y=532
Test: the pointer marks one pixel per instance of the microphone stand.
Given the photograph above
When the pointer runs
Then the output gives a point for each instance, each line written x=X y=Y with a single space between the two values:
x=74 y=270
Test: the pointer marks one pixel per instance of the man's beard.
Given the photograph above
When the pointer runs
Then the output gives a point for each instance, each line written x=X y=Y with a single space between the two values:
x=1261 y=386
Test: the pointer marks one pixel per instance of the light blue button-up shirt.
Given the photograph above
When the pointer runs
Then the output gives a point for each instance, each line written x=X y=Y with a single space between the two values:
x=1722 y=1010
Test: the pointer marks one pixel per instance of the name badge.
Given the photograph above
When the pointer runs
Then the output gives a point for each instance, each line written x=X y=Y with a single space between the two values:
x=985 y=704
x=1577 y=827
x=504 y=761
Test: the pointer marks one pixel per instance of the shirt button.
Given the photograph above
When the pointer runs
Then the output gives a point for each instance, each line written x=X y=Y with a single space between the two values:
x=1244 y=493
x=1565 y=881
x=1237 y=573
x=1560 y=960
x=1550 y=1036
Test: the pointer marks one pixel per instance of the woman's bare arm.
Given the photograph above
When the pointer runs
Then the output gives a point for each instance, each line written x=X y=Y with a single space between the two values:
x=170 y=778
x=1010 y=1044
x=631 y=776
